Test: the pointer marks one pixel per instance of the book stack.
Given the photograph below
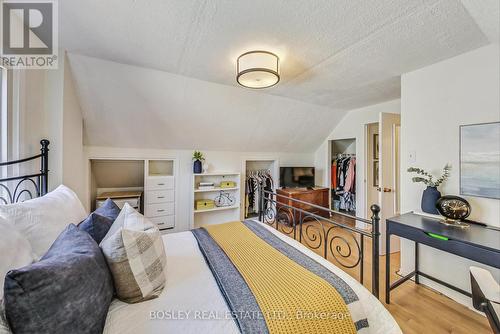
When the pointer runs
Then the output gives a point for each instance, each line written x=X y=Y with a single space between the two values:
x=206 y=185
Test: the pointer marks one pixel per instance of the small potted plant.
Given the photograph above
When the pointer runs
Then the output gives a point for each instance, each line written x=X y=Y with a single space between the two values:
x=430 y=194
x=197 y=164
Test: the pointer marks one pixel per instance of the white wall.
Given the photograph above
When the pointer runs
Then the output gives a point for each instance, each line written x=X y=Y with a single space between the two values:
x=73 y=163
x=435 y=100
x=38 y=115
x=48 y=107
x=225 y=161
x=353 y=126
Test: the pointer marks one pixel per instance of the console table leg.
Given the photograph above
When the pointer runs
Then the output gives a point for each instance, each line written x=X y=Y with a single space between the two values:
x=388 y=268
x=417 y=281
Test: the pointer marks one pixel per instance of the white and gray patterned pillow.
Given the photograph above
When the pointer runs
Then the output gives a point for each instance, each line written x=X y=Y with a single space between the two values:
x=136 y=257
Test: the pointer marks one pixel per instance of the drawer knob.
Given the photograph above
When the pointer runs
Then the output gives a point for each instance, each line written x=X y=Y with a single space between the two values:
x=160 y=210
x=160 y=184
x=161 y=197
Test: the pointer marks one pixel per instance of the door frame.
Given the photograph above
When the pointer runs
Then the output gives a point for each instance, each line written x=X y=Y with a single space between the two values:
x=368 y=166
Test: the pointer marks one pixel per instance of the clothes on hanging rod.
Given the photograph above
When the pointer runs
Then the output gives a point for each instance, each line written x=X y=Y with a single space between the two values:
x=343 y=183
x=252 y=194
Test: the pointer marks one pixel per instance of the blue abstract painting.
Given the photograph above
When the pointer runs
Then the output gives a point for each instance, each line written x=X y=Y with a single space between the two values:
x=480 y=160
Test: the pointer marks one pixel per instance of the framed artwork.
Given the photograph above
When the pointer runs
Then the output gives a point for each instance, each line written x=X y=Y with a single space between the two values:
x=375 y=146
x=480 y=160
x=375 y=174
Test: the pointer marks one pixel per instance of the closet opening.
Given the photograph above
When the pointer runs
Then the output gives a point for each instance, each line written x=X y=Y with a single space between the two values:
x=343 y=175
x=121 y=180
x=256 y=171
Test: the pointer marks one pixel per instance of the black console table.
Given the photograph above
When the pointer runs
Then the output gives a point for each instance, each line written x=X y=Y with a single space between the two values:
x=477 y=243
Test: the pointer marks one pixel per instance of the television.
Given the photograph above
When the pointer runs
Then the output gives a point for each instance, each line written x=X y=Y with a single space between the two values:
x=296 y=177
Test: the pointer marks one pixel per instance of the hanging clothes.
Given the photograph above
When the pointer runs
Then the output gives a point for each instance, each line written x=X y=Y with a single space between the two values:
x=343 y=172
x=350 y=176
x=334 y=174
x=252 y=193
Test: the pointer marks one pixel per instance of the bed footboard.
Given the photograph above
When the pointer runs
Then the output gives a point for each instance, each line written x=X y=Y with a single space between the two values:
x=340 y=238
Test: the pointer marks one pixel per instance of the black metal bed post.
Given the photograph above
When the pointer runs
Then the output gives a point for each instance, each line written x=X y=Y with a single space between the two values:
x=261 y=200
x=44 y=167
x=375 y=249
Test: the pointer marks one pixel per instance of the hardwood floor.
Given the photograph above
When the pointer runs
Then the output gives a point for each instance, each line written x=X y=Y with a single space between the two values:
x=416 y=308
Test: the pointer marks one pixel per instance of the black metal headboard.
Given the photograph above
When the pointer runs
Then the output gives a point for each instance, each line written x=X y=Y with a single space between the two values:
x=13 y=186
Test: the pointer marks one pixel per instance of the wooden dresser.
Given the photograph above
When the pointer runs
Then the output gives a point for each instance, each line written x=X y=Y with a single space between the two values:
x=317 y=196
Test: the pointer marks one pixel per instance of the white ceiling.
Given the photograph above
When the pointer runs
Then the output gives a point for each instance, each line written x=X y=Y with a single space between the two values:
x=340 y=54
x=134 y=107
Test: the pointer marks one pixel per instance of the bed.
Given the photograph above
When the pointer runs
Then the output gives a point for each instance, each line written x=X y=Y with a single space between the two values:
x=192 y=301
x=192 y=288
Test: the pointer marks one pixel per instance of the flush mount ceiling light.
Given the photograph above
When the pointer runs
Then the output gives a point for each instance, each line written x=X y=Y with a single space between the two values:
x=258 y=69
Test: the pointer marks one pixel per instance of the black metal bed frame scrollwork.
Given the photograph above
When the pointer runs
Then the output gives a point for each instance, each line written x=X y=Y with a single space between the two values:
x=13 y=186
x=318 y=232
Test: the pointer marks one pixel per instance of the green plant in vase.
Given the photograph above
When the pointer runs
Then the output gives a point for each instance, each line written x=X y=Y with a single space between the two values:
x=430 y=194
x=197 y=164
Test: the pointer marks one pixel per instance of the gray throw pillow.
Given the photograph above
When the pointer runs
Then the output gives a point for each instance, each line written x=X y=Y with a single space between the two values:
x=68 y=291
x=109 y=209
x=96 y=225
x=136 y=257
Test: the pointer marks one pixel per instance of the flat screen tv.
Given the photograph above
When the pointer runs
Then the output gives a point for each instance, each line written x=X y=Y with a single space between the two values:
x=296 y=177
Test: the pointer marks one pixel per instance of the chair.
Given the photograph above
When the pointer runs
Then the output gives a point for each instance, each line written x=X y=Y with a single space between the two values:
x=486 y=296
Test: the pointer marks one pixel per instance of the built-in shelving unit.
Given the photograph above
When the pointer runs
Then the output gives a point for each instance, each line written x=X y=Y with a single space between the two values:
x=216 y=189
x=217 y=214
x=218 y=209
x=159 y=192
x=223 y=174
x=147 y=184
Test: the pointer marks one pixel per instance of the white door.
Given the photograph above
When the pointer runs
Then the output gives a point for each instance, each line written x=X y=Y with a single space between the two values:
x=388 y=170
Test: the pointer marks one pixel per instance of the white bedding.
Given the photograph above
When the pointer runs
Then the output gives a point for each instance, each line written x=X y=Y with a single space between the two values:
x=193 y=302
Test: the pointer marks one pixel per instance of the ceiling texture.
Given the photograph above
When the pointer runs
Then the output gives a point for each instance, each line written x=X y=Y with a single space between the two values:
x=165 y=70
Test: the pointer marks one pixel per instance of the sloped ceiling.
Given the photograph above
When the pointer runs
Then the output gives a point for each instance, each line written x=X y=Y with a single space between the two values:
x=336 y=55
x=130 y=106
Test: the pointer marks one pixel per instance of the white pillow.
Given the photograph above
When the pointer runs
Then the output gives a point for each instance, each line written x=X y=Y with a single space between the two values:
x=15 y=251
x=42 y=219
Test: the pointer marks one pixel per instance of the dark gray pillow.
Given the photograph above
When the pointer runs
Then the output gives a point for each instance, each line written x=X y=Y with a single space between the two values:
x=109 y=209
x=96 y=225
x=68 y=291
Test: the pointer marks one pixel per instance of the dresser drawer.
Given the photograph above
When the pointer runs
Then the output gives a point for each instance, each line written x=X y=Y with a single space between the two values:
x=160 y=209
x=164 y=222
x=160 y=196
x=159 y=182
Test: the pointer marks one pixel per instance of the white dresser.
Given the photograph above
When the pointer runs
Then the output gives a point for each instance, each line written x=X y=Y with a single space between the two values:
x=159 y=192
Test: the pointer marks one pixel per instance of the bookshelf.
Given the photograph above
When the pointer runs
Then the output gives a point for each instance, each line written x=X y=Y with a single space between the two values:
x=229 y=209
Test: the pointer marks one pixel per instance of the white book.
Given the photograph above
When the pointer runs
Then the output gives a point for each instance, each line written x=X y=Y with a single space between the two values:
x=206 y=184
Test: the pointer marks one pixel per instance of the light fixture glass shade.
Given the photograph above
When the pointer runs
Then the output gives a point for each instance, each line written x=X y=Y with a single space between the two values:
x=258 y=69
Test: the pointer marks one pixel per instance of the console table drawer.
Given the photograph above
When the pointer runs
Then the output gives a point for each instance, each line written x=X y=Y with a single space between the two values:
x=160 y=196
x=159 y=183
x=164 y=222
x=161 y=209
